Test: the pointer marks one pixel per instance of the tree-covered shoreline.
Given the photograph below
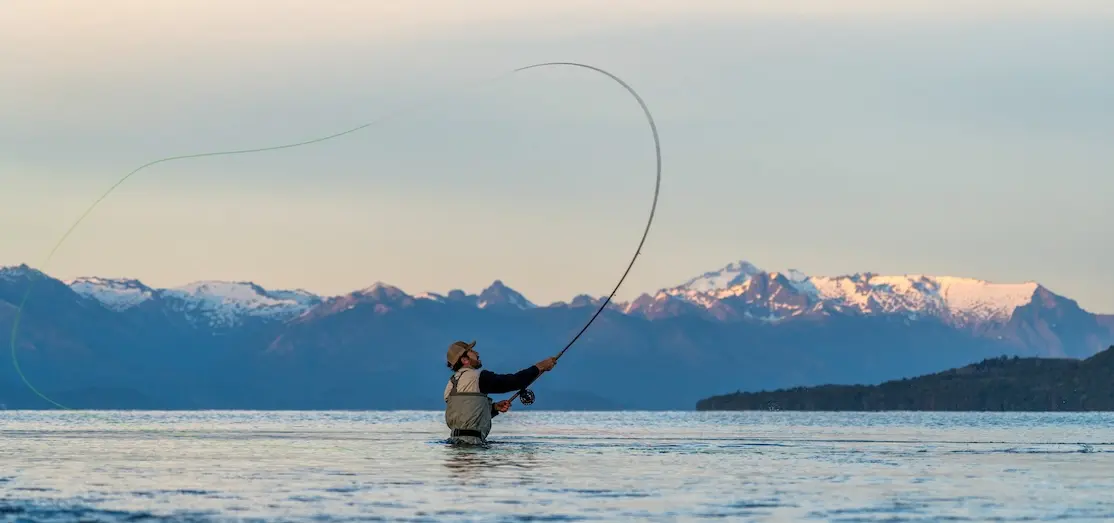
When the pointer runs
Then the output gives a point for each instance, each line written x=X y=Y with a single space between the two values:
x=998 y=384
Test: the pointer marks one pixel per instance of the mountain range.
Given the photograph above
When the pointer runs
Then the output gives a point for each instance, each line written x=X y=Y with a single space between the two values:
x=100 y=342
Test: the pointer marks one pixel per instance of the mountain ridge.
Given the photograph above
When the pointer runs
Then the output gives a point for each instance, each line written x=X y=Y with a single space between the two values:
x=782 y=293
x=219 y=344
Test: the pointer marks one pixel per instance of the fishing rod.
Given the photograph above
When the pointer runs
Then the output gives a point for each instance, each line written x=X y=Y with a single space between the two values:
x=526 y=396
x=18 y=320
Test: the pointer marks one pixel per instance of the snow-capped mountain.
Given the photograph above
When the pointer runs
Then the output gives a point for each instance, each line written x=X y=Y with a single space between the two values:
x=227 y=303
x=499 y=295
x=742 y=291
x=380 y=297
x=733 y=274
x=496 y=295
x=18 y=273
x=219 y=303
x=739 y=291
x=216 y=344
x=116 y=294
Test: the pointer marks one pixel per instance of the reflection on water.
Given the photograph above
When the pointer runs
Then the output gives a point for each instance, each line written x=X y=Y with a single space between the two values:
x=330 y=466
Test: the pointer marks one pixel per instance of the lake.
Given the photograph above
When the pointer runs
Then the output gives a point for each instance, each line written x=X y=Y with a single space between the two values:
x=556 y=466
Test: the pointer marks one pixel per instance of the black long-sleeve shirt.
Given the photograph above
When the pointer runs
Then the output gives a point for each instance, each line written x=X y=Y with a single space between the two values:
x=492 y=383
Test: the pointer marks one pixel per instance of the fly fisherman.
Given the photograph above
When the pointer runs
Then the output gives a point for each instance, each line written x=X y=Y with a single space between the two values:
x=468 y=409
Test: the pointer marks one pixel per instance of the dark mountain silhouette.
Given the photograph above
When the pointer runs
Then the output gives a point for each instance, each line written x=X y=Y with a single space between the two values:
x=998 y=384
x=103 y=343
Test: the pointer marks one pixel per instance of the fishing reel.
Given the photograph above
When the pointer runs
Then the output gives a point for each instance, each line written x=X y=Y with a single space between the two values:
x=526 y=396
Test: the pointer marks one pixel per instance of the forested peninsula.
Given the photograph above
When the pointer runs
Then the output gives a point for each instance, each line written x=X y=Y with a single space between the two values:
x=998 y=384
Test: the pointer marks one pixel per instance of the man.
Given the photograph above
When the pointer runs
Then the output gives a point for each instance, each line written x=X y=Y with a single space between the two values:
x=468 y=409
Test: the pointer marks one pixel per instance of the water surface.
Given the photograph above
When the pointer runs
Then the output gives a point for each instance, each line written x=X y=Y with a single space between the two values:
x=556 y=466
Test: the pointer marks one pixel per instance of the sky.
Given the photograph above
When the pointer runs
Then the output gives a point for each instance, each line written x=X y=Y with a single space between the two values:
x=963 y=138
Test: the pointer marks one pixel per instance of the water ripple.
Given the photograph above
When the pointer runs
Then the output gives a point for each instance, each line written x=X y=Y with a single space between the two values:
x=547 y=466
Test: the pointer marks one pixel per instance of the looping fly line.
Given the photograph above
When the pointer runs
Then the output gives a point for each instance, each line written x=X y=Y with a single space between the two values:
x=525 y=392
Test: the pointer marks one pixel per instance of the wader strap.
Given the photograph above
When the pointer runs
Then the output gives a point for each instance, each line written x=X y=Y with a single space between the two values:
x=465 y=432
x=454 y=392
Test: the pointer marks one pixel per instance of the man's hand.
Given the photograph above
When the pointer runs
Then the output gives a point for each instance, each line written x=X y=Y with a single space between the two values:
x=503 y=406
x=546 y=364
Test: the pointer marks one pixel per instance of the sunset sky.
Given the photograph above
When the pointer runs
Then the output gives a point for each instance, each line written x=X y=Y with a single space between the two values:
x=951 y=138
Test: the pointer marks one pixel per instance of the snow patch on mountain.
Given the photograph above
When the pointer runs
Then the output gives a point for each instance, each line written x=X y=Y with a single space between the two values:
x=706 y=299
x=498 y=294
x=997 y=300
x=19 y=272
x=222 y=303
x=304 y=297
x=225 y=303
x=382 y=292
x=731 y=275
x=115 y=294
x=431 y=296
x=379 y=287
x=957 y=300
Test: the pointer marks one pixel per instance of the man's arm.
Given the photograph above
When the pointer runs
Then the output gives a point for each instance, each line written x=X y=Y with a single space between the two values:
x=492 y=383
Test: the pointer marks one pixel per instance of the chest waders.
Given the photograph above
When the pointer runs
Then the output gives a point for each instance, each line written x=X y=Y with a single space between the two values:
x=467 y=410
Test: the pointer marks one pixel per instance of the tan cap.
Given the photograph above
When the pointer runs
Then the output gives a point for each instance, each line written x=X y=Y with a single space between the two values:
x=457 y=350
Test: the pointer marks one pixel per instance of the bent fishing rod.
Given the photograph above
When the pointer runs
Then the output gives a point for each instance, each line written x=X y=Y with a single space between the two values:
x=526 y=396
x=20 y=311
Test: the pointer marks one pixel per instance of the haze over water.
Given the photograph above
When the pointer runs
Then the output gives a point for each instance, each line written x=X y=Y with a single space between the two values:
x=556 y=466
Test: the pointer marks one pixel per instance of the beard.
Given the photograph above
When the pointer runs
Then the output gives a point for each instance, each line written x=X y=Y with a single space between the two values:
x=478 y=365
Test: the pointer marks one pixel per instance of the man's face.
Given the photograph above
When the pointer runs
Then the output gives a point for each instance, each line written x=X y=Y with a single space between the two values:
x=474 y=359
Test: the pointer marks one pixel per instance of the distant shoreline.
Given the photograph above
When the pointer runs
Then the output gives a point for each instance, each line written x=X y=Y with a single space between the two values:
x=992 y=385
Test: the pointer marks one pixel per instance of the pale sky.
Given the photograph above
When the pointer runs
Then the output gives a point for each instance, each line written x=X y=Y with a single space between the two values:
x=961 y=138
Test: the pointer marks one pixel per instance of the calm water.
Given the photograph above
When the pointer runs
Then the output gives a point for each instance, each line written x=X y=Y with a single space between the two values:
x=545 y=466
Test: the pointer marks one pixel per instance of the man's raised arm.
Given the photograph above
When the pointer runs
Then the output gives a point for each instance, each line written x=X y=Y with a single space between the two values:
x=492 y=383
